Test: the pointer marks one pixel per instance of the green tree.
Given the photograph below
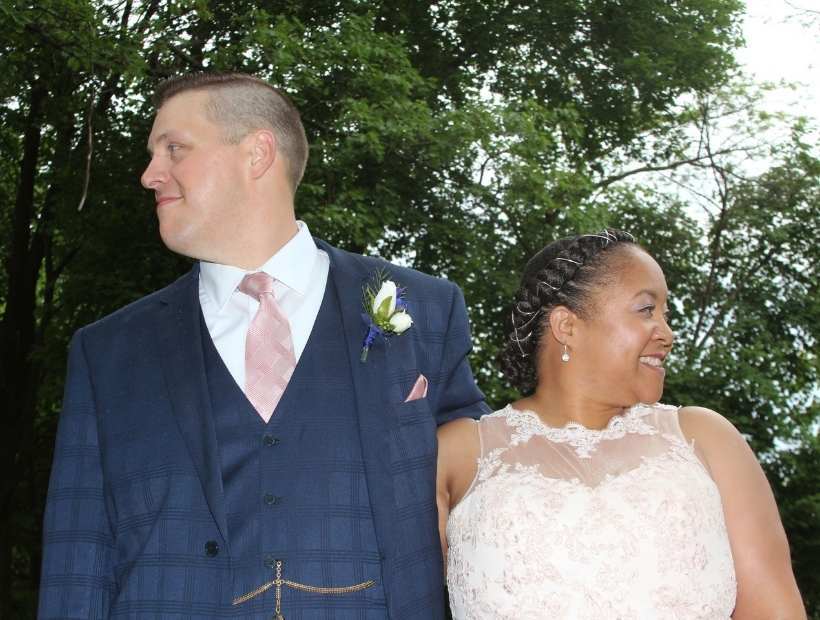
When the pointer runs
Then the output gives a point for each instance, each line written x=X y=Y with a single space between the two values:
x=457 y=137
x=727 y=200
x=746 y=310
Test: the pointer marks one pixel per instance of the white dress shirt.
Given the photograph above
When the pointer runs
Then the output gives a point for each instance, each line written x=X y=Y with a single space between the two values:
x=300 y=270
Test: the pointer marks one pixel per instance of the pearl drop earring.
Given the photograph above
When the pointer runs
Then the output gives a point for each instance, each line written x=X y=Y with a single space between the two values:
x=565 y=354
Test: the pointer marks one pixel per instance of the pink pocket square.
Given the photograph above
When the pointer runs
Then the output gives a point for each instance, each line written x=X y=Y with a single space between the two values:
x=419 y=389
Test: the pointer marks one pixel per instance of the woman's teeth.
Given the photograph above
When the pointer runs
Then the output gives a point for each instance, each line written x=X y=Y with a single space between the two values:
x=651 y=361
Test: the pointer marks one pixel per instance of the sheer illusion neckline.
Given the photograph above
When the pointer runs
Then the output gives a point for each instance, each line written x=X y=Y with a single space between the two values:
x=635 y=411
x=622 y=521
x=528 y=424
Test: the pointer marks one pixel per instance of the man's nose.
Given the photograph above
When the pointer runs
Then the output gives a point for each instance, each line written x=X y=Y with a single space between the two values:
x=154 y=174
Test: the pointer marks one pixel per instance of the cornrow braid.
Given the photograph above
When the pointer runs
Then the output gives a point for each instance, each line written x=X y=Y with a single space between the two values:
x=564 y=273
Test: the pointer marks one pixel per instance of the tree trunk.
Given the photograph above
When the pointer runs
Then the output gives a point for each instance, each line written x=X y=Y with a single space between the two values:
x=17 y=331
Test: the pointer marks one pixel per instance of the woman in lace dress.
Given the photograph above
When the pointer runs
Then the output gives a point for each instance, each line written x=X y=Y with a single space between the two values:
x=579 y=502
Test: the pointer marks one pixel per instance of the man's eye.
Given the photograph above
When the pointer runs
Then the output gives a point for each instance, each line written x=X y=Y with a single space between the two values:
x=173 y=148
x=648 y=310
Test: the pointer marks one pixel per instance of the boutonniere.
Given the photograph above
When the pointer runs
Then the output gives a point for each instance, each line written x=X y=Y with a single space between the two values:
x=385 y=311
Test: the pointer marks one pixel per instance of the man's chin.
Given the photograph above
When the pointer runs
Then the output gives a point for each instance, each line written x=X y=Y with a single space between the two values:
x=178 y=244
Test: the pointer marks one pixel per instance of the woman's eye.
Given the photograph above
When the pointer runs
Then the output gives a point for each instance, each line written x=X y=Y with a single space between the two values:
x=648 y=310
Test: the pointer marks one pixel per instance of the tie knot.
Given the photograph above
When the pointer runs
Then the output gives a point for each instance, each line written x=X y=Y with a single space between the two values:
x=256 y=284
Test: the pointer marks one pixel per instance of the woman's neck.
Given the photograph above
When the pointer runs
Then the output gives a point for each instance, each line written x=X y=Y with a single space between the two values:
x=556 y=407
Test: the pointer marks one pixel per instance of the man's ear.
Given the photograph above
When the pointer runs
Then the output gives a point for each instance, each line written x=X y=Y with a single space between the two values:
x=563 y=324
x=263 y=151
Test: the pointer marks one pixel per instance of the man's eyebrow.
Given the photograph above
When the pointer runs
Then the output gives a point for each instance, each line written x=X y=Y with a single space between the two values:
x=160 y=138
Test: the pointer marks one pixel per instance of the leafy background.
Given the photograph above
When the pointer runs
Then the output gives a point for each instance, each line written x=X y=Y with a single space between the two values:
x=458 y=137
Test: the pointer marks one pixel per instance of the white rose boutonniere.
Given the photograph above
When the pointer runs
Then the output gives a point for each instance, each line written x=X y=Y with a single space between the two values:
x=385 y=311
x=401 y=322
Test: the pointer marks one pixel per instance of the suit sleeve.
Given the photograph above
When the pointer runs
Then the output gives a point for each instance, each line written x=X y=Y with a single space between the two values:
x=457 y=395
x=77 y=578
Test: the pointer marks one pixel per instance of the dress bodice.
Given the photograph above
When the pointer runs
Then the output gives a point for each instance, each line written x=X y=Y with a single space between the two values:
x=619 y=523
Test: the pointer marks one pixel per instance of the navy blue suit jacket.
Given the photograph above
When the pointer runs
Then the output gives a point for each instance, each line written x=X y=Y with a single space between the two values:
x=136 y=488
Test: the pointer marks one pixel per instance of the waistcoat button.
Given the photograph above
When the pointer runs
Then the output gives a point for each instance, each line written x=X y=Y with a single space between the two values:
x=211 y=548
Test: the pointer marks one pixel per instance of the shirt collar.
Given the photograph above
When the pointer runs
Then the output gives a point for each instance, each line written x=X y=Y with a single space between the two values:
x=292 y=265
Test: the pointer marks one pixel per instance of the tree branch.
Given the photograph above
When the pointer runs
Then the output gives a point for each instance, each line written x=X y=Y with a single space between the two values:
x=718 y=229
x=670 y=166
x=732 y=297
x=90 y=142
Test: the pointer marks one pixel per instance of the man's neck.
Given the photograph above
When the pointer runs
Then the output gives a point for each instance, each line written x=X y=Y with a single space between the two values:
x=265 y=240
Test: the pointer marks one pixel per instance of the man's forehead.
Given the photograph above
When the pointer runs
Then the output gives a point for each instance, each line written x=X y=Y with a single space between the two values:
x=182 y=114
x=156 y=139
x=182 y=107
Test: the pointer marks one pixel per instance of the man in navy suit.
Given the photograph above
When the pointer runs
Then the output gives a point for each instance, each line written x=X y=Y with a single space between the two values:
x=171 y=494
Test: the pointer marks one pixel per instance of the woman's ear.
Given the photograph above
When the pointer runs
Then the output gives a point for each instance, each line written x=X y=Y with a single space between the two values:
x=562 y=324
x=263 y=151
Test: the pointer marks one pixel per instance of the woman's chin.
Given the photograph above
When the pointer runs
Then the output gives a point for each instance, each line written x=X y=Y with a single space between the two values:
x=650 y=396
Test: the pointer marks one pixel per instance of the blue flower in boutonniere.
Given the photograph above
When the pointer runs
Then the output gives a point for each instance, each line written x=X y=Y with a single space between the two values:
x=385 y=311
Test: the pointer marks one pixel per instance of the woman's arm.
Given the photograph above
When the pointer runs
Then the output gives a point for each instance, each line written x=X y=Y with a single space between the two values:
x=766 y=586
x=458 y=451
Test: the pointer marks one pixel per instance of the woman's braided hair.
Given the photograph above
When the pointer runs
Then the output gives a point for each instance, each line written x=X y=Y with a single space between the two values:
x=565 y=273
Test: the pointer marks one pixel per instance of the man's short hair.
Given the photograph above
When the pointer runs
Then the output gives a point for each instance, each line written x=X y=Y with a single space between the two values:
x=241 y=103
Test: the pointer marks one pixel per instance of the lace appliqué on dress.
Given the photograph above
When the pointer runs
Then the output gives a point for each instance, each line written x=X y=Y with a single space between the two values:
x=579 y=528
x=527 y=424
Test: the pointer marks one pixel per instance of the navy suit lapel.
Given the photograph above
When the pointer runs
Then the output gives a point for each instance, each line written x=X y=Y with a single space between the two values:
x=180 y=343
x=349 y=276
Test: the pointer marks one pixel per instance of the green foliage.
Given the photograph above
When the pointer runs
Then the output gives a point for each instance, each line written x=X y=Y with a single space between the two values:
x=795 y=477
x=746 y=310
x=459 y=138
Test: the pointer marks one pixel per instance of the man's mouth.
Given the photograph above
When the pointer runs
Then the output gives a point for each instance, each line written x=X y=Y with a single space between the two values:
x=166 y=199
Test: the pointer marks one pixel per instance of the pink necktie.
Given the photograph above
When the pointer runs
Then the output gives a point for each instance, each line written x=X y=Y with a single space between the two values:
x=269 y=357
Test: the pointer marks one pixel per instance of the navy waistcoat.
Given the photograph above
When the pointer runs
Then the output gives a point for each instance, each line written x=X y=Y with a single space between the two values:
x=295 y=489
